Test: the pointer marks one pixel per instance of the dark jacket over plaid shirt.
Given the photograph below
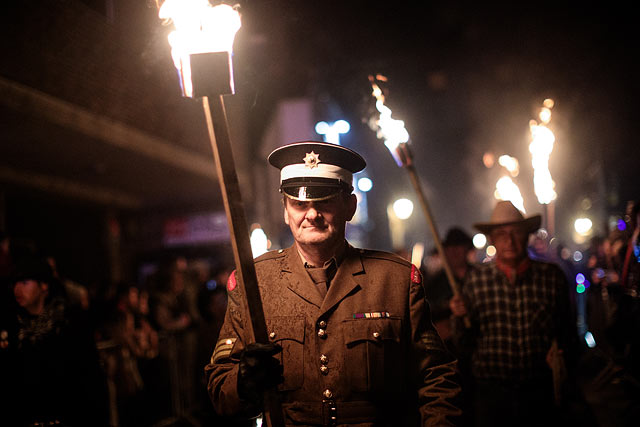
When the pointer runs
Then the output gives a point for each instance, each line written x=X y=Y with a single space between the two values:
x=514 y=324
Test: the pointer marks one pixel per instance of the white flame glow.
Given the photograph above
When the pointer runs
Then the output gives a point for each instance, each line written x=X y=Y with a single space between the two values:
x=506 y=189
x=403 y=208
x=417 y=253
x=541 y=146
x=199 y=28
x=509 y=163
x=583 y=226
x=259 y=242
x=390 y=130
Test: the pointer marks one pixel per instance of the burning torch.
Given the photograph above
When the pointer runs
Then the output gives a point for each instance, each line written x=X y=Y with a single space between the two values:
x=396 y=139
x=506 y=188
x=201 y=47
x=542 y=140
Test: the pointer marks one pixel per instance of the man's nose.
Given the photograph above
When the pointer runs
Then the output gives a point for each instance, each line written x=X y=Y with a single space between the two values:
x=312 y=213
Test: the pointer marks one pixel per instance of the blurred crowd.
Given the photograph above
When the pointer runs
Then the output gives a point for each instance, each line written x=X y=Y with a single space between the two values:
x=601 y=385
x=134 y=355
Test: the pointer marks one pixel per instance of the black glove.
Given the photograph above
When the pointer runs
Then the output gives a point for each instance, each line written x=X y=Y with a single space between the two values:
x=258 y=371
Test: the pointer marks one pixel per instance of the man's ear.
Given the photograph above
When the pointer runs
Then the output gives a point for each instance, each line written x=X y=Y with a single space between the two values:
x=286 y=214
x=352 y=204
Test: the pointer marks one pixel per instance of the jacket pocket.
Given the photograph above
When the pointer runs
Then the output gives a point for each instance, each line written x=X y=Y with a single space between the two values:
x=373 y=354
x=289 y=332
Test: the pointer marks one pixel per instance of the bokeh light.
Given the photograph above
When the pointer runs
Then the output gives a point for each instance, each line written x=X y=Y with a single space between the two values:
x=479 y=240
x=588 y=337
x=583 y=226
x=403 y=208
x=365 y=184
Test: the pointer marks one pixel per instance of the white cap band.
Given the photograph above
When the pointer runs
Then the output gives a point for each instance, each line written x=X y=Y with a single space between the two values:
x=321 y=170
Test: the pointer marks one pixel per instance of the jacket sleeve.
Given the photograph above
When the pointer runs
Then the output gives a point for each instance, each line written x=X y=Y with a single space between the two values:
x=222 y=370
x=438 y=379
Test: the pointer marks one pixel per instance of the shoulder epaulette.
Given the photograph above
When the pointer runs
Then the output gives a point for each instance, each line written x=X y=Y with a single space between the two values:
x=270 y=255
x=387 y=256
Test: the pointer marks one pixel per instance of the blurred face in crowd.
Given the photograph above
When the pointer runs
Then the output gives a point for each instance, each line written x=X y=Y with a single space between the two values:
x=319 y=222
x=456 y=255
x=30 y=294
x=133 y=297
x=510 y=242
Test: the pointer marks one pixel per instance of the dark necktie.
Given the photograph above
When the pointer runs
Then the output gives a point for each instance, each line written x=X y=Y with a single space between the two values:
x=322 y=276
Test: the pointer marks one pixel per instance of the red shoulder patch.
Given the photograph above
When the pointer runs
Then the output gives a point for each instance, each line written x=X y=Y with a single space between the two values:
x=231 y=283
x=416 y=275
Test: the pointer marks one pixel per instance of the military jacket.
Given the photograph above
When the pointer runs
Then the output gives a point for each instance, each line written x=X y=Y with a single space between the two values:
x=366 y=354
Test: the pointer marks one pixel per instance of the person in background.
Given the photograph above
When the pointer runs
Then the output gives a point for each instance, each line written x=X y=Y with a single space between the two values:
x=352 y=341
x=55 y=373
x=521 y=327
x=457 y=246
x=176 y=318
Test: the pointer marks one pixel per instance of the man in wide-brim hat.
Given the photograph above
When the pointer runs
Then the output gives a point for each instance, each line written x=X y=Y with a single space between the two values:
x=518 y=308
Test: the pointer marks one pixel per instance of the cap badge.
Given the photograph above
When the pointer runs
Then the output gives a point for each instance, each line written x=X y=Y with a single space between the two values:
x=311 y=160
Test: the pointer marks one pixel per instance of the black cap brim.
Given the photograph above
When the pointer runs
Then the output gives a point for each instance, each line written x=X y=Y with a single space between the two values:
x=313 y=189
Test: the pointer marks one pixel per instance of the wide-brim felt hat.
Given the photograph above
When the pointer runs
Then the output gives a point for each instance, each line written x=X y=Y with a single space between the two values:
x=313 y=171
x=505 y=213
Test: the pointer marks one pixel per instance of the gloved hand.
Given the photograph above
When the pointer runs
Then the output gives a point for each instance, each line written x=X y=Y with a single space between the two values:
x=258 y=371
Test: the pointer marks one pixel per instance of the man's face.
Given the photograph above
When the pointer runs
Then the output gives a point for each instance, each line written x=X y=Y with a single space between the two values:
x=510 y=242
x=29 y=293
x=319 y=222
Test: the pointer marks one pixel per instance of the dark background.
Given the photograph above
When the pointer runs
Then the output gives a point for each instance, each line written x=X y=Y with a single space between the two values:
x=465 y=78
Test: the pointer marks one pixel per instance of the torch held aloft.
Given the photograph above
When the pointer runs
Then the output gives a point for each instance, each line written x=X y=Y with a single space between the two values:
x=404 y=154
x=220 y=143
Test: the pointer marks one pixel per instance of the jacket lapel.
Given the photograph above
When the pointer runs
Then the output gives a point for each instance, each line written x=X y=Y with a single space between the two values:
x=348 y=279
x=298 y=280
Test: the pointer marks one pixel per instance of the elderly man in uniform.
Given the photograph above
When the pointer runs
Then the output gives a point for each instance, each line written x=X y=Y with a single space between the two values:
x=352 y=342
x=518 y=307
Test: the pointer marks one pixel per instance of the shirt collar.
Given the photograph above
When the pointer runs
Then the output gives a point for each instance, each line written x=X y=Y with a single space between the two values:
x=337 y=258
x=513 y=273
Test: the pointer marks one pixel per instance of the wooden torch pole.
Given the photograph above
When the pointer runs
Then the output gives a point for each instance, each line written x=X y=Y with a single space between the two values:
x=407 y=162
x=217 y=127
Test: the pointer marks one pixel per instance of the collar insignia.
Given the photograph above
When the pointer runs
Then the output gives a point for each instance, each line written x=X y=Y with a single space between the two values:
x=311 y=160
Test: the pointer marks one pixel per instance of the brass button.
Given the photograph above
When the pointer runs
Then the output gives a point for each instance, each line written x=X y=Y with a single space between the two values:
x=322 y=324
x=376 y=335
x=324 y=370
x=272 y=335
x=327 y=394
x=324 y=359
x=322 y=333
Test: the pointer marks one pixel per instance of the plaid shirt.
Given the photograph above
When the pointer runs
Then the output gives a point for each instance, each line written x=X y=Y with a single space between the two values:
x=513 y=324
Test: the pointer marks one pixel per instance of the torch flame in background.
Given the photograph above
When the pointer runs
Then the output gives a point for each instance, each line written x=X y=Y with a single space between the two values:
x=509 y=163
x=390 y=130
x=199 y=28
x=541 y=145
x=506 y=189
